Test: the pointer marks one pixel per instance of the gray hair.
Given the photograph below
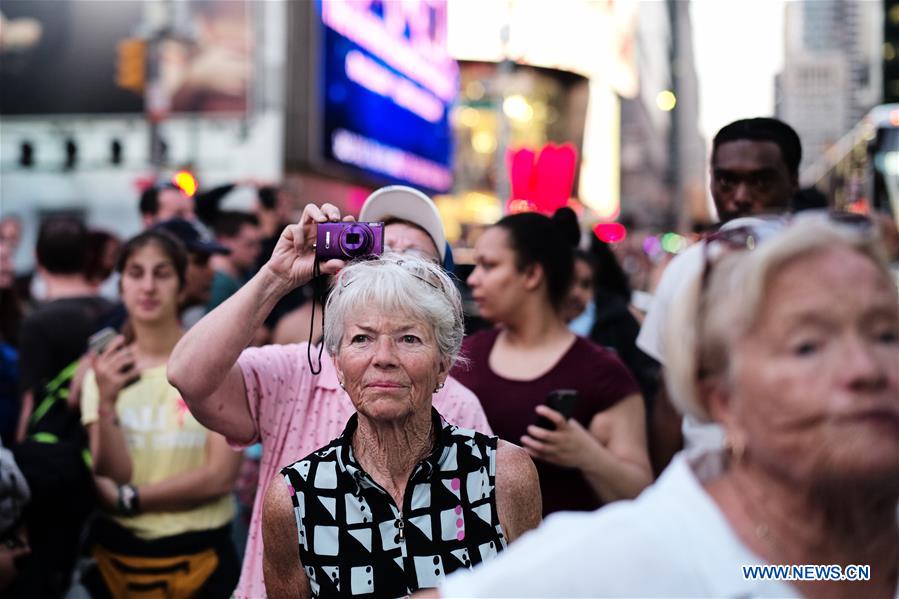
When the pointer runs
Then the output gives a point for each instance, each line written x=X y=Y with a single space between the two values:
x=705 y=323
x=398 y=283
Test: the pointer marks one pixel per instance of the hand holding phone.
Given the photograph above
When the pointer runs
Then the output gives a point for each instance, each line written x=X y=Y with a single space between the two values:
x=563 y=402
x=113 y=362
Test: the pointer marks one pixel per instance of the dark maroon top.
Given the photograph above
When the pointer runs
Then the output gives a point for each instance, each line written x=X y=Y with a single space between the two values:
x=600 y=379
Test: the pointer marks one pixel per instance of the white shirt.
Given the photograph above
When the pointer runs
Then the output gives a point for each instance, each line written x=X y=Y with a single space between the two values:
x=683 y=268
x=672 y=541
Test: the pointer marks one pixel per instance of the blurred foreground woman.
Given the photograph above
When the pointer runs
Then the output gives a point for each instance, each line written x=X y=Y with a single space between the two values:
x=794 y=349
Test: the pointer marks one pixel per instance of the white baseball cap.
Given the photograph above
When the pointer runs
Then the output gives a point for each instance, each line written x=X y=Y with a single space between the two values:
x=405 y=203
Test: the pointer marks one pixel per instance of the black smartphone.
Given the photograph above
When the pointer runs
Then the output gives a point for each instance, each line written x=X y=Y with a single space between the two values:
x=562 y=401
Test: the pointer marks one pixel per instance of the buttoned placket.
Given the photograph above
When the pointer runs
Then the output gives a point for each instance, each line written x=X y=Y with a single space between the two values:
x=360 y=476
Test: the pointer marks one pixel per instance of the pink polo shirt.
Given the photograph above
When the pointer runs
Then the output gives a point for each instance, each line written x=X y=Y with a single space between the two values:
x=296 y=413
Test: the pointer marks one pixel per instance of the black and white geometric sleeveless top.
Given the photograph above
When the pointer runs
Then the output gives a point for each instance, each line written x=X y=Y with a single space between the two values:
x=355 y=541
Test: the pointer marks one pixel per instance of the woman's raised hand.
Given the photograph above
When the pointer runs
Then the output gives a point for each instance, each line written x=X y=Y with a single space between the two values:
x=294 y=255
x=114 y=369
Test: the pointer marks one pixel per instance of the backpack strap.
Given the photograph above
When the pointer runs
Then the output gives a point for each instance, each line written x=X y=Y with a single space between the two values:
x=55 y=390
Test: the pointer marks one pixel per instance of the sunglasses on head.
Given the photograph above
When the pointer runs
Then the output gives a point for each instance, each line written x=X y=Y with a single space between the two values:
x=752 y=234
x=410 y=266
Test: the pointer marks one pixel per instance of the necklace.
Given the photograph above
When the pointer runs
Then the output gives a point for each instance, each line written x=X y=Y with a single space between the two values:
x=746 y=497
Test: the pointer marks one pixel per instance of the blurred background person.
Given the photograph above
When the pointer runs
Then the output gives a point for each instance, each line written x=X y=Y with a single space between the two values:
x=269 y=394
x=200 y=246
x=598 y=307
x=162 y=201
x=794 y=349
x=394 y=330
x=579 y=310
x=100 y=268
x=522 y=276
x=615 y=324
x=754 y=169
x=164 y=479
x=274 y=209
x=55 y=334
x=50 y=442
x=240 y=233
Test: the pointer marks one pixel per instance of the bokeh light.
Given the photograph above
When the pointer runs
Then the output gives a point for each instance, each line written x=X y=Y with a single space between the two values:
x=610 y=232
x=186 y=182
x=666 y=100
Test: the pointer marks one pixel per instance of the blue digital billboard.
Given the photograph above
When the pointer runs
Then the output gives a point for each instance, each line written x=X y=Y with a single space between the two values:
x=386 y=86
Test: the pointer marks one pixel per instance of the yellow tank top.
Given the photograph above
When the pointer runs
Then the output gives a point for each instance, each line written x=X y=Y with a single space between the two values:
x=164 y=440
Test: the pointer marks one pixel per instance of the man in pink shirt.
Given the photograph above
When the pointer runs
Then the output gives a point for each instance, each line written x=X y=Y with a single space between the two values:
x=268 y=395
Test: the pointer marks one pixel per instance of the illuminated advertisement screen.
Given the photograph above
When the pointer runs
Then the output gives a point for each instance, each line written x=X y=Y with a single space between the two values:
x=387 y=83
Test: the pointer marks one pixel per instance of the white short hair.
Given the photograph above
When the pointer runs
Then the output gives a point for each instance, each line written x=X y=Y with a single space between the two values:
x=705 y=323
x=398 y=284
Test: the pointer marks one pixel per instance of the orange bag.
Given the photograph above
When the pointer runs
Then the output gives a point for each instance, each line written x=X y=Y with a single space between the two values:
x=177 y=577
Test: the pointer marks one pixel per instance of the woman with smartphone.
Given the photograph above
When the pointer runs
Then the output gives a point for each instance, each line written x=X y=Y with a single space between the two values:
x=165 y=480
x=596 y=452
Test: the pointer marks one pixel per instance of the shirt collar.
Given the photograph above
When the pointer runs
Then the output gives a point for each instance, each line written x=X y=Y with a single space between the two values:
x=431 y=463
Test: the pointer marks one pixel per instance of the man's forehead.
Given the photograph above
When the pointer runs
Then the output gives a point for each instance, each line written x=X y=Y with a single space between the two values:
x=408 y=232
x=748 y=155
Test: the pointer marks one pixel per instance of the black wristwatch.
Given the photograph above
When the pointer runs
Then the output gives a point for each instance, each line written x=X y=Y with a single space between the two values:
x=128 y=503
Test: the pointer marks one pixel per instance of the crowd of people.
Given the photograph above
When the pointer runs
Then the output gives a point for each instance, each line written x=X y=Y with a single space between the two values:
x=177 y=421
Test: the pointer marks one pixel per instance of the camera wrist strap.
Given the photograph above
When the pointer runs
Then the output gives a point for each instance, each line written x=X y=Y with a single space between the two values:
x=317 y=296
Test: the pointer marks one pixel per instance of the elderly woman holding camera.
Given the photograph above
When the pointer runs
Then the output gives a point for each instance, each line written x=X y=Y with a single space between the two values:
x=401 y=498
x=270 y=394
x=794 y=349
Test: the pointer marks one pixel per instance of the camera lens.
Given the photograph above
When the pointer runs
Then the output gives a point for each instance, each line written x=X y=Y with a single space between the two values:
x=356 y=240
